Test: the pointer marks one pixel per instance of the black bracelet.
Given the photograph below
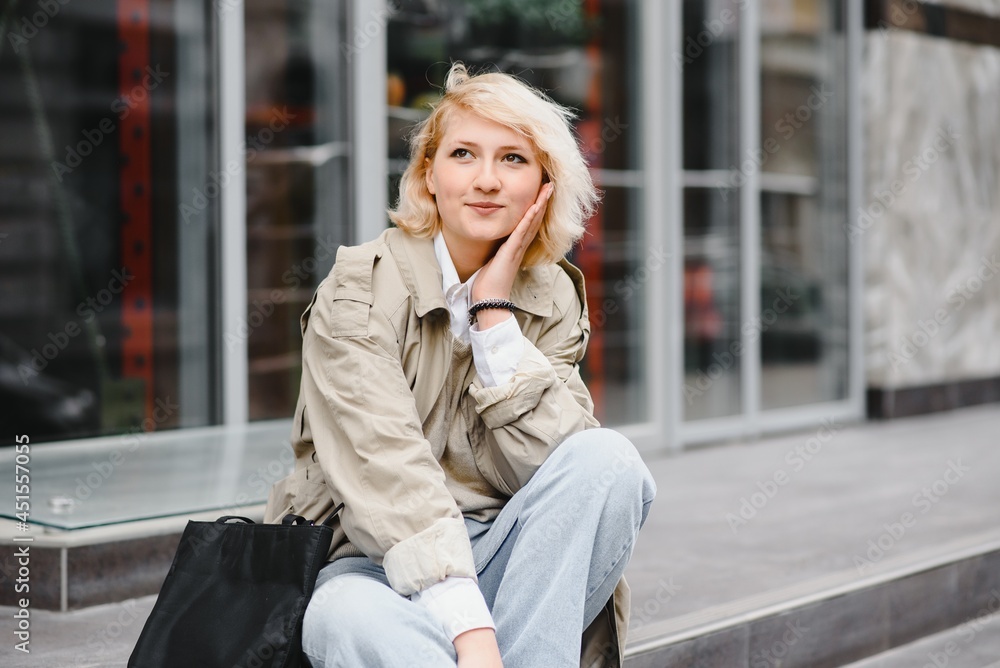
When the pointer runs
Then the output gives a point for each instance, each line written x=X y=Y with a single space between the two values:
x=484 y=304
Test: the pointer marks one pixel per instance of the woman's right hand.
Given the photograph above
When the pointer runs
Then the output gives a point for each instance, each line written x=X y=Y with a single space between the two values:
x=478 y=649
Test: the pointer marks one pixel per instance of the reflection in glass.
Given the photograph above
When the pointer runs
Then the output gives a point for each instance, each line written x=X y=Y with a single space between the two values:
x=803 y=202
x=712 y=348
x=106 y=213
x=298 y=206
x=566 y=48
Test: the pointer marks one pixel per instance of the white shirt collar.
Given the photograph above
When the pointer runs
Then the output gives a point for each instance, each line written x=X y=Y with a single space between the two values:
x=450 y=282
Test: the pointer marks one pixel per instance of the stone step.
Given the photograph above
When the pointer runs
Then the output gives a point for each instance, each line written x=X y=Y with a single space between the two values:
x=973 y=644
x=839 y=619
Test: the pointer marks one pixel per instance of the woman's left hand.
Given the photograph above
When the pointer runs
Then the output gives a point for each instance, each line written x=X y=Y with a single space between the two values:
x=496 y=278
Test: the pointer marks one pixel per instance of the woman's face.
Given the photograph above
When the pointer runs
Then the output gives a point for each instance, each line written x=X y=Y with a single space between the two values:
x=484 y=177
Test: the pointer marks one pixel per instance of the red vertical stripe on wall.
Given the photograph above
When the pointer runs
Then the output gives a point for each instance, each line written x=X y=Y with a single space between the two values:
x=135 y=78
x=591 y=252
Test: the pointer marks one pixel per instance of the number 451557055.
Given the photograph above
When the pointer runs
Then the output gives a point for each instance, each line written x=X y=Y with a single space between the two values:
x=22 y=478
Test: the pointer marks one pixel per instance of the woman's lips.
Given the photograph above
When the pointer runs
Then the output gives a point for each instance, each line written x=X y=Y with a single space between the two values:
x=484 y=209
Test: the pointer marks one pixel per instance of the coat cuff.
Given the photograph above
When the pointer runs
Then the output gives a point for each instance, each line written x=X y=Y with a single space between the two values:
x=430 y=556
x=503 y=404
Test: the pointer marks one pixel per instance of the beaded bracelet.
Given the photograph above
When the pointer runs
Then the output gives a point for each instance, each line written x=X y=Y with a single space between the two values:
x=484 y=304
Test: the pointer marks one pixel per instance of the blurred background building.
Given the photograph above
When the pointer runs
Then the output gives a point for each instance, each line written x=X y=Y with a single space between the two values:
x=799 y=221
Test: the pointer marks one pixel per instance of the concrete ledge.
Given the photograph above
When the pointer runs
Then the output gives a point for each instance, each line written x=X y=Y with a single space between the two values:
x=75 y=569
x=891 y=403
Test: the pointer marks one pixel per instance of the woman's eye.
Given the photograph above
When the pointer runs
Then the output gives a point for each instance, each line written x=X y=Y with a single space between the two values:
x=460 y=153
x=513 y=157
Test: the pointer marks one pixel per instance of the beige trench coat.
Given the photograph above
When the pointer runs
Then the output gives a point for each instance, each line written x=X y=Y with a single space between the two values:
x=375 y=357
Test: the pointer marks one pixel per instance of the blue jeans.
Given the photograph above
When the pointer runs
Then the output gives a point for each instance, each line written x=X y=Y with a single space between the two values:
x=547 y=565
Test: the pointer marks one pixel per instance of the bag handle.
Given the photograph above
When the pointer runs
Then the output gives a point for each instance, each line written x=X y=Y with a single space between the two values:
x=329 y=520
x=297 y=520
x=290 y=518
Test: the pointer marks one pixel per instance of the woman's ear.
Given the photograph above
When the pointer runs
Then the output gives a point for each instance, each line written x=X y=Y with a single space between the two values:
x=429 y=175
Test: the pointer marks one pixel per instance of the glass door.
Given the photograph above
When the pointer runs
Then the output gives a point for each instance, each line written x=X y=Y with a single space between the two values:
x=766 y=278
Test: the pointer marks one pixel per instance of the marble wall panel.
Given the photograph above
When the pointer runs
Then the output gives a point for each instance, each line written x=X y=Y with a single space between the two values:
x=930 y=220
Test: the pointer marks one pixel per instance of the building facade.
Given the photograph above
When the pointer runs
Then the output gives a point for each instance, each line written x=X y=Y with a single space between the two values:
x=799 y=197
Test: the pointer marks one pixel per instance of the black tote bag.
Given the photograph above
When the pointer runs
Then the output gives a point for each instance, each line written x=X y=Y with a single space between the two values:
x=235 y=595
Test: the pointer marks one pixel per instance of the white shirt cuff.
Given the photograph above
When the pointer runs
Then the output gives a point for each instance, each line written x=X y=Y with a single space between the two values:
x=457 y=603
x=496 y=351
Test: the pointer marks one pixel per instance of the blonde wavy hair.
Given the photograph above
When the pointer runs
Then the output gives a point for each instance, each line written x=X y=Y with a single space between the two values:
x=503 y=99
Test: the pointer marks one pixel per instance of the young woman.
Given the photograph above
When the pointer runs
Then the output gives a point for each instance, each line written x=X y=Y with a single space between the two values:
x=487 y=518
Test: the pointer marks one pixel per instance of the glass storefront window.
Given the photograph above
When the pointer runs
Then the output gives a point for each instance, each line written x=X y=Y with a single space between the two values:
x=804 y=254
x=105 y=218
x=570 y=50
x=110 y=183
x=298 y=185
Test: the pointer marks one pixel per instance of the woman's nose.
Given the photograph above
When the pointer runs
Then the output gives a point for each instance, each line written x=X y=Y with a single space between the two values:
x=486 y=180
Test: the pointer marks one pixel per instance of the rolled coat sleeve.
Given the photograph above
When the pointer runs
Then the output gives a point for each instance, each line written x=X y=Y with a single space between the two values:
x=369 y=442
x=546 y=400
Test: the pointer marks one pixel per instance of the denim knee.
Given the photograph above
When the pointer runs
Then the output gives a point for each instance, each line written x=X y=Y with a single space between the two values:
x=350 y=617
x=605 y=459
x=343 y=611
